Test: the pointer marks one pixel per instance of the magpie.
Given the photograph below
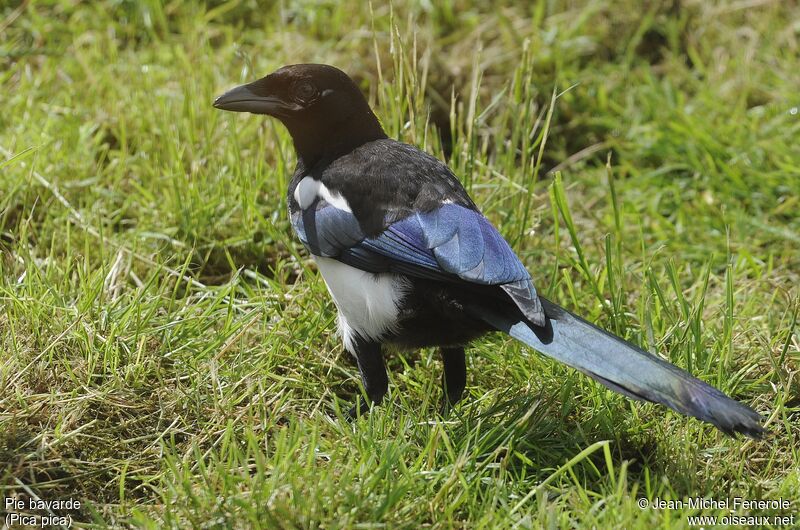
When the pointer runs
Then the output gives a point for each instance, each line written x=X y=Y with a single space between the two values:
x=411 y=262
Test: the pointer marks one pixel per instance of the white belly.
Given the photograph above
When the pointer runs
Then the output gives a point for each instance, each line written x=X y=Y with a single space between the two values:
x=367 y=302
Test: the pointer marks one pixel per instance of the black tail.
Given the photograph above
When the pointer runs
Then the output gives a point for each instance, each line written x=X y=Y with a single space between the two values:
x=627 y=369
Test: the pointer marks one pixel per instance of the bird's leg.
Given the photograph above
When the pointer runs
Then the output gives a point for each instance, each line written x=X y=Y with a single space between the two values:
x=454 y=376
x=373 y=375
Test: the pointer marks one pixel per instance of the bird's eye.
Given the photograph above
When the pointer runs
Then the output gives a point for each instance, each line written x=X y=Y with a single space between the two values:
x=305 y=92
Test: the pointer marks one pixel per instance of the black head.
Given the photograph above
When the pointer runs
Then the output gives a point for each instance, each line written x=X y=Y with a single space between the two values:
x=324 y=110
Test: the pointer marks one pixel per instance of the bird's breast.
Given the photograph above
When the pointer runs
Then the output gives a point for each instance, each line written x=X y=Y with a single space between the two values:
x=369 y=304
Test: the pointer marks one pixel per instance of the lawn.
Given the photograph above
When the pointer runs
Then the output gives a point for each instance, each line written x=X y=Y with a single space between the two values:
x=168 y=351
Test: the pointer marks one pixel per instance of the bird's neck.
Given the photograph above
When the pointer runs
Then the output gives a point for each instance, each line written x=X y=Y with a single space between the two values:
x=322 y=145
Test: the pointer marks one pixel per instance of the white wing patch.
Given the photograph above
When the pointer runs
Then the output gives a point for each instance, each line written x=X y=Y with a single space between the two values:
x=309 y=189
x=367 y=302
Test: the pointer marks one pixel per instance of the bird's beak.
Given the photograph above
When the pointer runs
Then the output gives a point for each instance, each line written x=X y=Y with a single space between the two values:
x=243 y=99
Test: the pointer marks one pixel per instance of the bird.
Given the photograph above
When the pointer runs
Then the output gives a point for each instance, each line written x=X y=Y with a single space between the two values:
x=411 y=262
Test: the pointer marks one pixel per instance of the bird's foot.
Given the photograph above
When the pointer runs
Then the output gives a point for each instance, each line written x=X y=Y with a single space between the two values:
x=448 y=404
x=361 y=408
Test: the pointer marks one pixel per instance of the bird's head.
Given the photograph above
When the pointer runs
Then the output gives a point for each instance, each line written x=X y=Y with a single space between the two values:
x=323 y=109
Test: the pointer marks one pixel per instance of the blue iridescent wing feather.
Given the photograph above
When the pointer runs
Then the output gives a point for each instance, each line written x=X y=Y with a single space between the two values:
x=450 y=243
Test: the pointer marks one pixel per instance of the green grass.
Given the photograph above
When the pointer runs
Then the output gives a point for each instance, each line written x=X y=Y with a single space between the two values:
x=169 y=354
